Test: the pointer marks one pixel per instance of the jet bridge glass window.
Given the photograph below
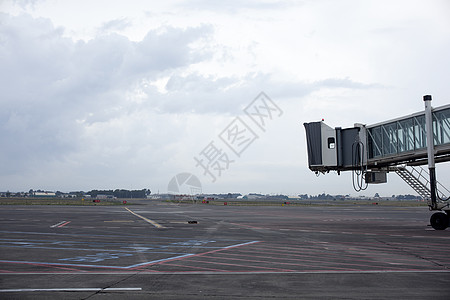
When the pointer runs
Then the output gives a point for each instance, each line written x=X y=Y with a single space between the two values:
x=441 y=127
x=408 y=134
x=375 y=142
x=331 y=143
x=405 y=135
x=390 y=138
x=420 y=136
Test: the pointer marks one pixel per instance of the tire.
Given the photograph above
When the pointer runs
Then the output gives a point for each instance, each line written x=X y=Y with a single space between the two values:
x=439 y=221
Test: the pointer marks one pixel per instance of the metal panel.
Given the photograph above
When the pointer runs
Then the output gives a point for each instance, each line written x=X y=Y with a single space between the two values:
x=349 y=138
x=329 y=146
x=314 y=143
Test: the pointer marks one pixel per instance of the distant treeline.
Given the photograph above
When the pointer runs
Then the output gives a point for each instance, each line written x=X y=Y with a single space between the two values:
x=144 y=193
x=406 y=197
x=343 y=197
x=324 y=197
x=120 y=193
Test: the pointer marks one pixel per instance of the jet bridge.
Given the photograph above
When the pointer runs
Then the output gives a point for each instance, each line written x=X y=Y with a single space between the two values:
x=399 y=145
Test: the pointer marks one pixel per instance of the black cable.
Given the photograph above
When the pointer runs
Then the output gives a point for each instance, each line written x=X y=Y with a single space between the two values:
x=358 y=167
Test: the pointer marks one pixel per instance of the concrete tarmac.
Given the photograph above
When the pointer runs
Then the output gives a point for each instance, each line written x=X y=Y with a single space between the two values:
x=168 y=251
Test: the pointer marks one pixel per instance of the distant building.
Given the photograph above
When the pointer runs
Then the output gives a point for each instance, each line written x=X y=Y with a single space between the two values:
x=44 y=194
x=253 y=196
x=100 y=196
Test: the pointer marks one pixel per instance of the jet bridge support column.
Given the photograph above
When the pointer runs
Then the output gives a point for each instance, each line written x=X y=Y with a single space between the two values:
x=430 y=149
x=438 y=220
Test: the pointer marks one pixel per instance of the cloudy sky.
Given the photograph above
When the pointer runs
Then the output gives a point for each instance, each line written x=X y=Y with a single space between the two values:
x=128 y=94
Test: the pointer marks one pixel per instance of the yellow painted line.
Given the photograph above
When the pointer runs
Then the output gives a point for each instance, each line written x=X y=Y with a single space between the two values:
x=145 y=219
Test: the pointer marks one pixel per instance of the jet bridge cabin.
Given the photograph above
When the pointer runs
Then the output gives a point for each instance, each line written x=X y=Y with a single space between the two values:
x=334 y=149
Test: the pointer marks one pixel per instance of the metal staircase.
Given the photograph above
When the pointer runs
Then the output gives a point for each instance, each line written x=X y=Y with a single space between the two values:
x=417 y=178
x=413 y=179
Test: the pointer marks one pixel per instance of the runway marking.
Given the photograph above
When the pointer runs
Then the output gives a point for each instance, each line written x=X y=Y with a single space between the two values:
x=194 y=255
x=158 y=261
x=64 y=224
x=145 y=219
x=131 y=267
x=57 y=224
x=248 y=226
x=96 y=257
x=159 y=273
x=71 y=290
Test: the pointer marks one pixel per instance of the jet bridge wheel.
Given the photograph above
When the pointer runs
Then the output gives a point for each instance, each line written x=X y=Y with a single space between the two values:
x=439 y=220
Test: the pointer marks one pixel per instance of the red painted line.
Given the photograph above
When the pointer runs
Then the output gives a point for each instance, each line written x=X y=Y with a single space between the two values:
x=248 y=226
x=225 y=248
x=194 y=255
x=68 y=269
x=140 y=266
x=302 y=265
x=311 y=259
x=243 y=266
x=299 y=263
x=59 y=266
x=192 y=267
x=64 y=224
x=367 y=249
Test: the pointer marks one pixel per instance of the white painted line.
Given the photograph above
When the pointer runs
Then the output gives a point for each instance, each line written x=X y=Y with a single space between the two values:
x=71 y=290
x=145 y=219
x=64 y=224
x=160 y=260
x=57 y=224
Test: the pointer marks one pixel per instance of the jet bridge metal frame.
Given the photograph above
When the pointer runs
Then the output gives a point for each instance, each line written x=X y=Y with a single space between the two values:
x=371 y=151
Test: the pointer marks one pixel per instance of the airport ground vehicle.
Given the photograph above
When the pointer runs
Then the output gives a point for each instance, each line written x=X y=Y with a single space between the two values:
x=400 y=145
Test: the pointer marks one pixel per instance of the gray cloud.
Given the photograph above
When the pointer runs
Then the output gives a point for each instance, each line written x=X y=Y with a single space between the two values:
x=26 y=3
x=51 y=85
x=169 y=49
x=234 y=6
x=230 y=94
x=345 y=83
x=115 y=25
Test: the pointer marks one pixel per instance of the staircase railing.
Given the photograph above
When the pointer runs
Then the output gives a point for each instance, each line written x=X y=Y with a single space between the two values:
x=418 y=179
